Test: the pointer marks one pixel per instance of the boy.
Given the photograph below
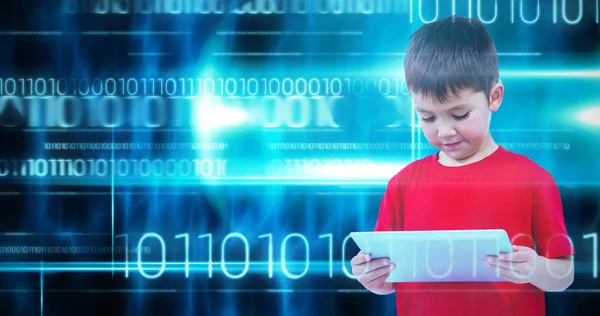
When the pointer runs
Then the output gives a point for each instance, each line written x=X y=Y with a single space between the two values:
x=451 y=70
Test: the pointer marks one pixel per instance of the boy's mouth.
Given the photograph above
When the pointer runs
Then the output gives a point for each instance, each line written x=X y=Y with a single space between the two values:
x=452 y=146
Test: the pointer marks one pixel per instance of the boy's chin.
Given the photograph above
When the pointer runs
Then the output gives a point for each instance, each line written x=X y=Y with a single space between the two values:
x=458 y=155
x=455 y=155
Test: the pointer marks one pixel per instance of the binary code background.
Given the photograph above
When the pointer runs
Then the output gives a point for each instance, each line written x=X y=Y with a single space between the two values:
x=187 y=157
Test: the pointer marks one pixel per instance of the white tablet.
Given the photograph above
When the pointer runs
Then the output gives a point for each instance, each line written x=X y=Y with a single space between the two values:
x=437 y=256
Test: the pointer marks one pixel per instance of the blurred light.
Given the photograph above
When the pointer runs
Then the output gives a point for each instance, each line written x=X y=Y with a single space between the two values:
x=365 y=171
x=210 y=113
x=590 y=116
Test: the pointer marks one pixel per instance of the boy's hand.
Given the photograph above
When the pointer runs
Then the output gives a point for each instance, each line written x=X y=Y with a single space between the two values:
x=517 y=267
x=371 y=273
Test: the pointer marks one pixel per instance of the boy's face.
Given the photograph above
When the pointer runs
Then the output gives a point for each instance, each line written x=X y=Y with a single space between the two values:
x=459 y=127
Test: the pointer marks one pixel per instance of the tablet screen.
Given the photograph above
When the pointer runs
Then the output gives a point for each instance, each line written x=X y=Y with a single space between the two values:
x=437 y=256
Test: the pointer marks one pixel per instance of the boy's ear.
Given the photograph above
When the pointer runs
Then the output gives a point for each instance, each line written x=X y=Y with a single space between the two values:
x=496 y=96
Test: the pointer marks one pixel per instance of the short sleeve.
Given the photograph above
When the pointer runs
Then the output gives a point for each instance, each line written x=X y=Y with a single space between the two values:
x=549 y=230
x=389 y=210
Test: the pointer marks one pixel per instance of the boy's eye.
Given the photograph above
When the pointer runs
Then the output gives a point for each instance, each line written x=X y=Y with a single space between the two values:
x=461 y=117
x=428 y=119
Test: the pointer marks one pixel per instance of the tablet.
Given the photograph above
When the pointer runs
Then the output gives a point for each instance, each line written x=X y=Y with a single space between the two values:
x=437 y=256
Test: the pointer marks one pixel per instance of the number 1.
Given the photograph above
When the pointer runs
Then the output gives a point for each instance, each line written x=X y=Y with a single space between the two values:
x=187 y=253
x=330 y=253
x=594 y=237
x=126 y=254
x=209 y=253
x=348 y=274
x=270 y=262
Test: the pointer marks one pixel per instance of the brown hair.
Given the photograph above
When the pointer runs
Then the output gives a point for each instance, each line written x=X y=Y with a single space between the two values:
x=450 y=55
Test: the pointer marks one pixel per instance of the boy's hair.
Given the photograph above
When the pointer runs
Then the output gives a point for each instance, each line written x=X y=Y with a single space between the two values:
x=450 y=55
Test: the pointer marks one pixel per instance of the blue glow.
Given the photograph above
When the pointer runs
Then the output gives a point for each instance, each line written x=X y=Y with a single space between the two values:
x=318 y=268
x=579 y=12
x=343 y=262
x=330 y=236
x=590 y=116
x=163 y=263
x=537 y=16
x=512 y=11
x=479 y=6
x=210 y=114
x=210 y=260
x=283 y=259
x=246 y=255
x=42 y=288
x=126 y=254
x=207 y=117
x=112 y=205
x=594 y=237
x=437 y=8
x=187 y=252
x=470 y=9
x=270 y=250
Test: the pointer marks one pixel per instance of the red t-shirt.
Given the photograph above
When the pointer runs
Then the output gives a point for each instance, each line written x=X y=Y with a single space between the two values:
x=502 y=191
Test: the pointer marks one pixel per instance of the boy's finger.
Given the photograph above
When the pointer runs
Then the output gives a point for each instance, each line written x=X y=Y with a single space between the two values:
x=360 y=258
x=513 y=256
x=380 y=279
x=377 y=264
x=510 y=276
x=358 y=270
x=378 y=273
x=368 y=276
x=504 y=270
x=508 y=265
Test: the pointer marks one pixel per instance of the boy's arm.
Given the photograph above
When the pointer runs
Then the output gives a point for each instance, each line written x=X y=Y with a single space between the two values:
x=389 y=211
x=554 y=269
x=554 y=274
x=550 y=266
x=524 y=265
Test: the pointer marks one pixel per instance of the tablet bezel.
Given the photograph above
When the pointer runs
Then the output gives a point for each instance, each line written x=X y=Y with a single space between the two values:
x=378 y=244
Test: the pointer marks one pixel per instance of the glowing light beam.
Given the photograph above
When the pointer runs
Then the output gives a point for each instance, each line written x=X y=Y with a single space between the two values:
x=590 y=116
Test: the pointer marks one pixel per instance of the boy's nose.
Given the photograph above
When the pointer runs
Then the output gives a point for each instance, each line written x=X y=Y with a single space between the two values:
x=446 y=131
